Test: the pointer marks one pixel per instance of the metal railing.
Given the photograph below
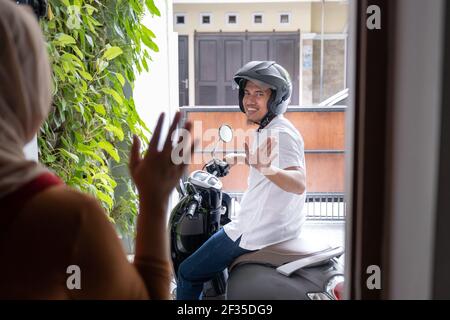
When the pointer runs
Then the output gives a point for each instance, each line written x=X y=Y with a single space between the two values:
x=318 y=206
x=325 y=206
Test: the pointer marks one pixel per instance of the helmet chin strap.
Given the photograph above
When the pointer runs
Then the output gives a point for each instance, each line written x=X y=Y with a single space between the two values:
x=266 y=120
x=269 y=115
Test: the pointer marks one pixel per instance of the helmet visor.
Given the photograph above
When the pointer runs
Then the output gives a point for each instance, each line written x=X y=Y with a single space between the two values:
x=259 y=83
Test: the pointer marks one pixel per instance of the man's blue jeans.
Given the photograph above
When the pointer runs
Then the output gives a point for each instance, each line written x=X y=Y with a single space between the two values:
x=216 y=254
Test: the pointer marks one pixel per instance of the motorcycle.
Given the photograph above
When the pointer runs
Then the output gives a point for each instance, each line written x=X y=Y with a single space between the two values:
x=296 y=269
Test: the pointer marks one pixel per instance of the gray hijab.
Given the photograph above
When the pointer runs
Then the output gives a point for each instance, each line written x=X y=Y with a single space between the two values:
x=25 y=92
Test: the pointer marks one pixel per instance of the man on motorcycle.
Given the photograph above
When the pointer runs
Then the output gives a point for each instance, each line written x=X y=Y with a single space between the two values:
x=271 y=208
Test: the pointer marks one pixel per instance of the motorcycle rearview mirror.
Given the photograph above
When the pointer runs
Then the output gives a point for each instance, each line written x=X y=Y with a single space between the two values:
x=225 y=134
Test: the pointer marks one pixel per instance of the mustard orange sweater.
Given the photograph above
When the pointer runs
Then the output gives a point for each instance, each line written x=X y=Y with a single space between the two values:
x=57 y=243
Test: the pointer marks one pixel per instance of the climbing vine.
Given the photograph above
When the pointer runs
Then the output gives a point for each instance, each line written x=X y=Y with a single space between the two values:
x=96 y=50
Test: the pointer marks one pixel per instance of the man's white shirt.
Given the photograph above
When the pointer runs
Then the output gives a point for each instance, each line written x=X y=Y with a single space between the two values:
x=268 y=214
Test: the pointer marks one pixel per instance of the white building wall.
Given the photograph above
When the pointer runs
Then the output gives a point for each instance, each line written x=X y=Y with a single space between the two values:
x=304 y=16
x=300 y=17
x=156 y=91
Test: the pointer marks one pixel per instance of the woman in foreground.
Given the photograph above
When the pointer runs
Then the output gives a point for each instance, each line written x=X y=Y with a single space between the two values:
x=49 y=231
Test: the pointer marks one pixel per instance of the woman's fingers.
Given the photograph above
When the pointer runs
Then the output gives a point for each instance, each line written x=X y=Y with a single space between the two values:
x=153 y=145
x=173 y=127
x=134 y=153
x=185 y=140
x=194 y=146
x=186 y=159
x=187 y=128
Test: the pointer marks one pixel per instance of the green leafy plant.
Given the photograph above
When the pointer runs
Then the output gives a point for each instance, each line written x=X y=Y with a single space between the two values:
x=96 y=48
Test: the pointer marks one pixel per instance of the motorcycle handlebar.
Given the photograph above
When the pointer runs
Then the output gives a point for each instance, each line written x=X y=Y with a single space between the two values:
x=217 y=167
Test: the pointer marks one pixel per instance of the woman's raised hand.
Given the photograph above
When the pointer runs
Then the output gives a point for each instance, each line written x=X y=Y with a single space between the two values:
x=156 y=174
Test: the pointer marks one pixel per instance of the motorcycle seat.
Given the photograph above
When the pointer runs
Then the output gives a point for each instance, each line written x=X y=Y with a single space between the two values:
x=283 y=252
